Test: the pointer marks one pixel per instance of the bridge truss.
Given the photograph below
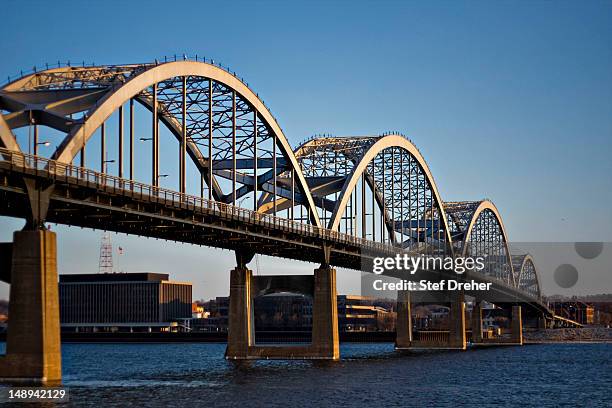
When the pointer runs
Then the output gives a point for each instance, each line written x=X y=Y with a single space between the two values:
x=369 y=190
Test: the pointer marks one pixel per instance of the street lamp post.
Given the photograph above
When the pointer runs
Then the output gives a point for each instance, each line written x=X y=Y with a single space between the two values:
x=156 y=187
x=45 y=143
x=148 y=139
x=241 y=201
x=104 y=163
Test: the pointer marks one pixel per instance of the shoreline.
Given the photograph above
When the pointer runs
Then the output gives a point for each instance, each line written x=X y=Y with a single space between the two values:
x=549 y=336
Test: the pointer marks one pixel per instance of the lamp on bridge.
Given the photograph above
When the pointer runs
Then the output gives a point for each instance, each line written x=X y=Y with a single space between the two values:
x=241 y=201
x=45 y=143
x=149 y=139
x=104 y=164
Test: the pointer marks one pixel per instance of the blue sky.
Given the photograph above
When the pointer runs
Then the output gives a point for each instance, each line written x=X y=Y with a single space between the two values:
x=506 y=100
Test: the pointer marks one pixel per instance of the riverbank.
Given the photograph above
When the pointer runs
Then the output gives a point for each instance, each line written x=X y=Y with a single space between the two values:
x=566 y=335
x=569 y=335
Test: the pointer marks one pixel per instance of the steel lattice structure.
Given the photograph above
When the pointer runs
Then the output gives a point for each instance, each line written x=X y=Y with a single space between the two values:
x=478 y=231
x=376 y=188
x=400 y=185
x=219 y=122
x=527 y=278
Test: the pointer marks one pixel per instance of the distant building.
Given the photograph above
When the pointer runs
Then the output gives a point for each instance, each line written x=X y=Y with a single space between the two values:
x=216 y=319
x=3 y=315
x=293 y=312
x=428 y=317
x=283 y=311
x=363 y=314
x=123 y=302
x=198 y=312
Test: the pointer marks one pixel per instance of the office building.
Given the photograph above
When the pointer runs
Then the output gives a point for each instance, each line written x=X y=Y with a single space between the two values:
x=123 y=302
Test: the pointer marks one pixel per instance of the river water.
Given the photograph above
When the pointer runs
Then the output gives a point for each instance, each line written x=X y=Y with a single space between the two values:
x=195 y=374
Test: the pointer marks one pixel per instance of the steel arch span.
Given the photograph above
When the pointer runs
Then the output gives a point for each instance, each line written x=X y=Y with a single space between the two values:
x=398 y=181
x=478 y=231
x=528 y=280
x=220 y=123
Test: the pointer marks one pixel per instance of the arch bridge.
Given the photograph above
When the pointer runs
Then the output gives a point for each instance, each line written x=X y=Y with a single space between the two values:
x=186 y=151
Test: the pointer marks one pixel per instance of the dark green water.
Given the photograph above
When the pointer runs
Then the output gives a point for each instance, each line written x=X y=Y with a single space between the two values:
x=369 y=375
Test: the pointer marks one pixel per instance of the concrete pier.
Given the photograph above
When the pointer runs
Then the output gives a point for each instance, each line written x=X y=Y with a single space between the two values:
x=325 y=337
x=453 y=339
x=516 y=329
x=477 y=322
x=517 y=325
x=33 y=339
x=542 y=324
x=241 y=338
x=241 y=330
x=403 y=323
x=457 y=339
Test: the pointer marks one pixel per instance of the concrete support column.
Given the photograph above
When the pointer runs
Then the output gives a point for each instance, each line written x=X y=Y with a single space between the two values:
x=542 y=322
x=517 y=325
x=477 y=323
x=241 y=333
x=403 y=326
x=33 y=340
x=457 y=323
x=241 y=336
x=325 y=337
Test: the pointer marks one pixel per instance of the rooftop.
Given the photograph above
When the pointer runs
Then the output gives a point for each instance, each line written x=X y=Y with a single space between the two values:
x=114 y=277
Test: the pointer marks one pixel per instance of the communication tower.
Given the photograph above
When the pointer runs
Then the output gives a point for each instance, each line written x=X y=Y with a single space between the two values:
x=106 y=254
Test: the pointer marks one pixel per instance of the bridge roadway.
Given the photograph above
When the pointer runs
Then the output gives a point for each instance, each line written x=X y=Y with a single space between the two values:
x=85 y=198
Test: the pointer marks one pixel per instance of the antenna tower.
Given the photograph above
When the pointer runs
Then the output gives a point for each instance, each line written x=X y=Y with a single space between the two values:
x=106 y=254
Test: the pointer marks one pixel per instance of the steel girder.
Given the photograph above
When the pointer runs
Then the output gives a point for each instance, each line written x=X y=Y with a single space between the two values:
x=212 y=113
x=7 y=138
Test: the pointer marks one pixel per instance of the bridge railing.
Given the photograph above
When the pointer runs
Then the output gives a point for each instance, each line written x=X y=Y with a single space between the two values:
x=48 y=168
